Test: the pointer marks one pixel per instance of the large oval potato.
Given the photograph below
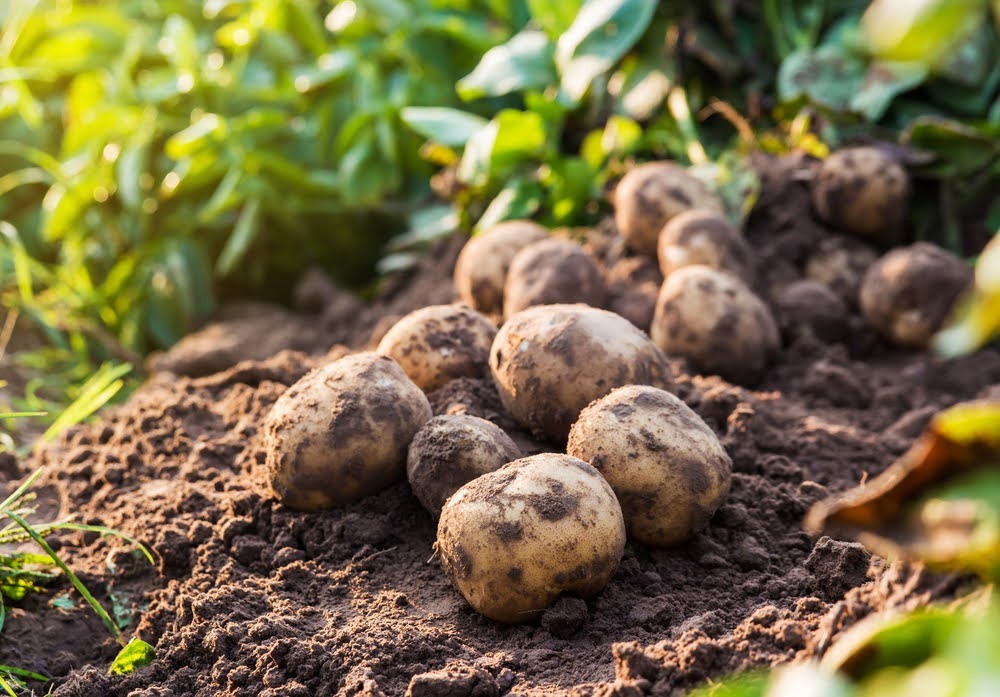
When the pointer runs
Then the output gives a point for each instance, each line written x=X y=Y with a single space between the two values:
x=550 y=272
x=514 y=540
x=666 y=466
x=715 y=321
x=649 y=195
x=481 y=269
x=341 y=432
x=549 y=362
x=439 y=343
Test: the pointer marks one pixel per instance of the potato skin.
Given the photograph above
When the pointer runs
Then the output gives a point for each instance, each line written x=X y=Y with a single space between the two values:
x=649 y=195
x=704 y=236
x=549 y=362
x=715 y=321
x=840 y=262
x=666 y=466
x=341 y=432
x=633 y=284
x=439 y=343
x=550 y=272
x=512 y=541
x=862 y=190
x=808 y=308
x=450 y=451
x=907 y=294
x=481 y=269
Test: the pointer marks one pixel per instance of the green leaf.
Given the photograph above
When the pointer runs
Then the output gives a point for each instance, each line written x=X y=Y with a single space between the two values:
x=924 y=32
x=828 y=76
x=554 y=16
x=519 y=199
x=525 y=62
x=197 y=136
x=443 y=125
x=244 y=232
x=520 y=137
x=960 y=149
x=883 y=81
x=603 y=31
x=136 y=654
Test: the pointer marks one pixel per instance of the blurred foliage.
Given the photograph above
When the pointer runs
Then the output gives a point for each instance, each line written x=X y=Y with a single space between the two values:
x=978 y=317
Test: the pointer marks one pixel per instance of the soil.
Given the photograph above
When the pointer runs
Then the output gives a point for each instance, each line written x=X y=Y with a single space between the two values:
x=250 y=598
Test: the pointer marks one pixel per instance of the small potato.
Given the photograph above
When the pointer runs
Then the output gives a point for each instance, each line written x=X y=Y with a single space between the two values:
x=450 y=451
x=549 y=362
x=907 y=294
x=703 y=236
x=808 y=308
x=550 y=272
x=666 y=466
x=633 y=284
x=514 y=540
x=650 y=195
x=715 y=321
x=439 y=343
x=341 y=432
x=840 y=263
x=862 y=190
x=481 y=269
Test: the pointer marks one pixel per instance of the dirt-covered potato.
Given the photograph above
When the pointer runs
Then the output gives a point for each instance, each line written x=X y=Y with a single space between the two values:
x=712 y=318
x=341 y=432
x=450 y=451
x=514 y=540
x=666 y=466
x=633 y=284
x=862 y=190
x=704 y=236
x=840 y=263
x=549 y=362
x=650 y=195
x=813 y=309
x=439 y=343
x=481 y=269
x=550 y=272
x=907 y=294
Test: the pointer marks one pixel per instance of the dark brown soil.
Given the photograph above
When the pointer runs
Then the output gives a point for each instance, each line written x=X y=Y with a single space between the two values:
x=251 y=598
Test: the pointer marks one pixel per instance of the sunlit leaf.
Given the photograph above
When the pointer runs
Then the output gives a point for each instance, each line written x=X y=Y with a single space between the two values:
x=525 y=62
x=136 y=654
x=443 y=125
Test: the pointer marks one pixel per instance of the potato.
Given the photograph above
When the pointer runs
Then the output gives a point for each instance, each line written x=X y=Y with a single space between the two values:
x=514 y=540
x=549 y=362
x=704 y=236
x=862 y=190
x=439 y=343
x=341 y=432
x=840 y=263
x=650 y=195
x=633 y=284
x=450 y=451
x=550 y=272
x=666 y=466
x=481 y=269
x=715 y=321
x=808 y=308
x=907 y=294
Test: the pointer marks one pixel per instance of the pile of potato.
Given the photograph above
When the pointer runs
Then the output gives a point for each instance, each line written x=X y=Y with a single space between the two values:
x=580 y=359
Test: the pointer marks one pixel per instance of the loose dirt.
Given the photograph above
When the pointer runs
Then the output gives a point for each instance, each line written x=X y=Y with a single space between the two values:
x=250 y=598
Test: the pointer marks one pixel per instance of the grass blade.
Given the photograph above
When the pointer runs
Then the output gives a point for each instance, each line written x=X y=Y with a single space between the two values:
x=94 y=394
x=22 y=673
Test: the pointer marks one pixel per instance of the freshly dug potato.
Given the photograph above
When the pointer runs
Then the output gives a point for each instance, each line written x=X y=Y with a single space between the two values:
x=439 y=343
x=550 y=272
x=481 y=269
x=514 y=540
x=650 y=195
x=341 y=432
x=813 y=309
x=549 y=362
x=666 y=466
x=704 y=236
x=862 y=190
x=715 y=321
x=907 y=294
x=450 y=451
x=840 y=263
x=633 y=284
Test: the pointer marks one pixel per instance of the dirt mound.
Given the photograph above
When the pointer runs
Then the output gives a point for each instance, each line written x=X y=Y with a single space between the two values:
x=250 y=598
